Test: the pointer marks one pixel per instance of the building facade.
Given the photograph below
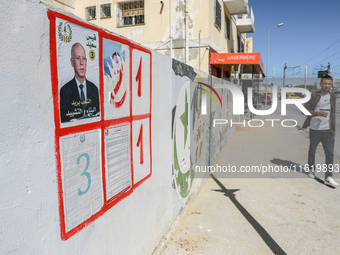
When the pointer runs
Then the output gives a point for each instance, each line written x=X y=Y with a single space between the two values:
x=67 y=5
x=187 y=30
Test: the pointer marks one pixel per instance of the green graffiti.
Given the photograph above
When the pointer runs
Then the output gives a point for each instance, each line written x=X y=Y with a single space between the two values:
x=183 y=181
x=184 y=119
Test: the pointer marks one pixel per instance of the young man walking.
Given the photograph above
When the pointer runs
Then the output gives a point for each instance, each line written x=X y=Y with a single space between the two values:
x=322 y=127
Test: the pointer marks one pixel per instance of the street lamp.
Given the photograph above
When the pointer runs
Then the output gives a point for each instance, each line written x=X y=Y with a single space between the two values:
x=279 y=25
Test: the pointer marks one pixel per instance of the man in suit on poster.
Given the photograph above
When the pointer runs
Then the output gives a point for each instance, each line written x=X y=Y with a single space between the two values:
x=79 y=97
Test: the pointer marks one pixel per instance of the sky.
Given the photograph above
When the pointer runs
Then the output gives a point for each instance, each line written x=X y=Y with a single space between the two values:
x=309 y=37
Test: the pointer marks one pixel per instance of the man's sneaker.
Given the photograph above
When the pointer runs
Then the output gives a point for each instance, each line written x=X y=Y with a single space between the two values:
x=330 y=181
x=311 y=175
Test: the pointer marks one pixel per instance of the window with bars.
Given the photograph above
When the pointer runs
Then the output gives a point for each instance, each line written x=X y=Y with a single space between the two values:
x=131 y=13
x=90 y=12
x=218 y=14
x=105 y=10
x=227 y=27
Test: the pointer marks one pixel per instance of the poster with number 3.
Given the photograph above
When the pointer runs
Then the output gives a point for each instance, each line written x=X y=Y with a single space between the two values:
x=101 y=86
x=81 y=176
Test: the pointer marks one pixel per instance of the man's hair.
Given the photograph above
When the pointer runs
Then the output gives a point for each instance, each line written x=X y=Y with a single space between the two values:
x=326 y=77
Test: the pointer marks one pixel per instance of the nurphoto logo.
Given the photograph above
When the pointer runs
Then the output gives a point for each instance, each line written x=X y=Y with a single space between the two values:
x=238 y=104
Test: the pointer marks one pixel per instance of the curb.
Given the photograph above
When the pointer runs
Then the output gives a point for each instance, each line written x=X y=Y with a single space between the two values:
x=174 y=226
x=167 y=237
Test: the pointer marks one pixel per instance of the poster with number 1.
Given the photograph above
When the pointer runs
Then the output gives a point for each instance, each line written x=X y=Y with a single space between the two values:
x=102 y=94
x=81 y=176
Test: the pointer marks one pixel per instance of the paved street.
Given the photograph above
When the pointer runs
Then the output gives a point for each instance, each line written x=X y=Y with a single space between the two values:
x=293 y=215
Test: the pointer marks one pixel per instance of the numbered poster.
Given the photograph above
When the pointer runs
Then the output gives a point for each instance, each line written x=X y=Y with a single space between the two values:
x=101 y=86
x=141 y=83
x=141 y=149
x=118 y=160
x=81 y=176
x=78 y=73
x=116 y=61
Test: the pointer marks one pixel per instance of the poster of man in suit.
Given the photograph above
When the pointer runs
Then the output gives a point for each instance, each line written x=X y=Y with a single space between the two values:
x=78 y=74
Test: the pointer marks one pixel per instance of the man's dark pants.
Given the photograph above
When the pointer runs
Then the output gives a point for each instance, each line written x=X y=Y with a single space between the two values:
x=327 y=139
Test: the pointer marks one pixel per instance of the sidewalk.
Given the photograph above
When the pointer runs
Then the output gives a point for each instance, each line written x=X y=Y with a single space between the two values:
x=262 y=215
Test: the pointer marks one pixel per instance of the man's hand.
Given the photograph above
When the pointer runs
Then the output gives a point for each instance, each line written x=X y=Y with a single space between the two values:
x=334 y=134
x=322 y=114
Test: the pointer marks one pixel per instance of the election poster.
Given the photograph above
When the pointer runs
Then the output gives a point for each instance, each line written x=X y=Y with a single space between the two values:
x=116 y=62
x=81 y=176
x=118 y=160
x=78 y=73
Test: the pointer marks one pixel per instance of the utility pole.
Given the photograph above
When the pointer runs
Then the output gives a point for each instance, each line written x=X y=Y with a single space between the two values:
x=199 y=49
x=284 y=74
x=186 y=35
x=279 y=25
x=329 y=70
x=306 y=78
x=171 y=46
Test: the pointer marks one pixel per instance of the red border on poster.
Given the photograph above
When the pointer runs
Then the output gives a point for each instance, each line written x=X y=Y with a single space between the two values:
x=102 y=124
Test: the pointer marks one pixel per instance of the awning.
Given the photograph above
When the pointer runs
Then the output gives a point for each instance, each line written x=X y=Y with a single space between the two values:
x=231 y=61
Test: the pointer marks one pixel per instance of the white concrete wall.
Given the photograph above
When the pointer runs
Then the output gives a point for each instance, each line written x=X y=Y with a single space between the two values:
x=29 y=214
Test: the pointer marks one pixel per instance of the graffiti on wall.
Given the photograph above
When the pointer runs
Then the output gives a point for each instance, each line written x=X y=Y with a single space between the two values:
x=195 y=141
x=188 y=128
x=183 y=174
x=220 y=135
x=101 y=88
